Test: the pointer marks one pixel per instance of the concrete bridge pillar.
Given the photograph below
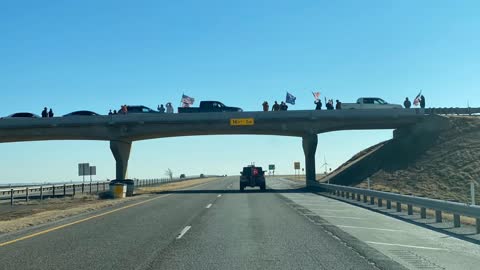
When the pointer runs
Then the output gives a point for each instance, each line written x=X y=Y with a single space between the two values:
x=121 y=153
x=309 y=143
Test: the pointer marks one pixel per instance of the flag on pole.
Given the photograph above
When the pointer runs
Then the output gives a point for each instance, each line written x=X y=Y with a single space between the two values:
x=316 y=95
x=290 y=99
x=187 y=101
x=416 y=101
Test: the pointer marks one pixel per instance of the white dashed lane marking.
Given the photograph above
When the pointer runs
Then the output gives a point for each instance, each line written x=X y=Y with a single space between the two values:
x=184 y=231
x=208 y=206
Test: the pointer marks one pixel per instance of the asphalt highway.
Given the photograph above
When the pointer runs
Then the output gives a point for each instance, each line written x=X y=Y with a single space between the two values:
x=210 y=226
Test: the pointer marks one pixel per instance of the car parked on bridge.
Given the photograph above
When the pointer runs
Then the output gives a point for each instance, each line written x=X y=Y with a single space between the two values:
x=209 y=106
x=82 y=113
x=138 y=109
x=23 y=115
x=370 y=103
x=252 y=176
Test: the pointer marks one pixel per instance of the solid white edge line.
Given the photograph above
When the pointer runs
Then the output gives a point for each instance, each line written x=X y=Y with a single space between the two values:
x=184 y=231
x=400 y=245
x=208 y=206
x=340 y=217
x=368 y=228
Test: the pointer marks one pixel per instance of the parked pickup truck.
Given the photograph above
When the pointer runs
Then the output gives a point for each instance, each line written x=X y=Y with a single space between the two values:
x=370 y=103
x=209 y=106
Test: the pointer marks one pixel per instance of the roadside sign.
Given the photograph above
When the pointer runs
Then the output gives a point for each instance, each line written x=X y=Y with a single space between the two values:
x=296 y=165
x=93 y=170
x=83 y=169
x=242 y=122
x=271 y=167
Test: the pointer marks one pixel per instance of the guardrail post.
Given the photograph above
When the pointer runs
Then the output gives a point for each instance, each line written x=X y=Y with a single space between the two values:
x=41 y=193
x=410 y=209
x=83 y=187
x=456 y=220
x=26 y=194
x=104 y=186
x=365 y=198
x=423 y=212
x=90 y=188
x=438 y=216
x=347 y=195
x=11 y=196
x=64 y=190
x=477 y=221
x=358 y=197
x=372 y=200
x=343 y=193
x=389 y=204
x=97 y=187
x=74 y=191
x=399 y=207
x=53 y=190
x=380 y=202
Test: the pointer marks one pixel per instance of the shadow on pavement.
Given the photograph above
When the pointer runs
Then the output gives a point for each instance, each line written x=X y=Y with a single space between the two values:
x=231 y=191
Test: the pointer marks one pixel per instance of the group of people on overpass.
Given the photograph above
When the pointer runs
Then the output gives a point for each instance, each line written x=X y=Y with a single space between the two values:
x=47 y=113
x=418 y=100
x=276 y=107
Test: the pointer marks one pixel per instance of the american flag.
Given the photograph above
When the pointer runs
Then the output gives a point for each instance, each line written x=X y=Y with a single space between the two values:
x=316 y=95
x=187 y=101
x=416 y=101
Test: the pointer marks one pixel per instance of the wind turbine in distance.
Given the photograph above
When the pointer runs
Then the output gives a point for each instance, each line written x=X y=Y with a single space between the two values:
x=325 y=164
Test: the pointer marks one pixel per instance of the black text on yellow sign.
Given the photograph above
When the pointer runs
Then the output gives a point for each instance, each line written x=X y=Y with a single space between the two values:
x=242 y=122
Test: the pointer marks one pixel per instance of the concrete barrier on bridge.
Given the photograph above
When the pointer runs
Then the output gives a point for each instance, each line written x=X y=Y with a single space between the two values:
x=118 y=190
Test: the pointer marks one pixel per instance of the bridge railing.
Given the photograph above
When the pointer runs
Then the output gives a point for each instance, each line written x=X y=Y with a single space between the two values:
x=42 y=192
x=439 y=206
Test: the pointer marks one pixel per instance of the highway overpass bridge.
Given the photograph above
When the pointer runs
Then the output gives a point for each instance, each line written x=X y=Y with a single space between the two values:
x=122 y=130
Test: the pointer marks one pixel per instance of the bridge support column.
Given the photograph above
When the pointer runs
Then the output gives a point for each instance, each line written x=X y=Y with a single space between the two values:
x=309 y=143
x=121 y=153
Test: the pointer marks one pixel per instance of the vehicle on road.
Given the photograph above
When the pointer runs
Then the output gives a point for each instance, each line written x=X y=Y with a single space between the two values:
x=23 y=115
x=82 y=113
x=138 y=109
x=252 y=176
x=209 y=106
x=370 y=103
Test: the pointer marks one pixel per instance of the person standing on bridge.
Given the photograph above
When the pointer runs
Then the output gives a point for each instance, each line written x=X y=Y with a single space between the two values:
x=265 y=106
x=283 y=106
x=318 y=104
x=50 y=113
x=110 y=112
x=124 y=109
x=276 y=107
x=422 y=102
x=160 y=108
x=44 y=112
x=407 y=104
x=169 y=107
x=338 y=106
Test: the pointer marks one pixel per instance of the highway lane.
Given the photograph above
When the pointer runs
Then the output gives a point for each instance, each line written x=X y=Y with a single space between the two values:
x=221 y=229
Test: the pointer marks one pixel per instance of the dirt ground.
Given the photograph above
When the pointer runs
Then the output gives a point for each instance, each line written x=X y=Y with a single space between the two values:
x=36 y=212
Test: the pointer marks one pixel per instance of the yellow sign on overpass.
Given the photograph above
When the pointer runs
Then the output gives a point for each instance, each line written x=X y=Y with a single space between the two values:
x=242 y=122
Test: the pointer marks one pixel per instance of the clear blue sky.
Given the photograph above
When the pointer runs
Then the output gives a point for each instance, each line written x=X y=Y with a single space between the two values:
x=96 y=55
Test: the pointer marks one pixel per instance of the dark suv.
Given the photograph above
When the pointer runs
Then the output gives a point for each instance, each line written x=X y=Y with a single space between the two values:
x=252 y=176
x=138 y=109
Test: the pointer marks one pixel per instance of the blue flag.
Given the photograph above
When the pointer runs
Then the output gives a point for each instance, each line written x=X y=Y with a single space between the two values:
x=290 y=99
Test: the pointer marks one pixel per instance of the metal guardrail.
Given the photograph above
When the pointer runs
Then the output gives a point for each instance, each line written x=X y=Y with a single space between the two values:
x=62 y=190
x=455 y=208
x=453 y=111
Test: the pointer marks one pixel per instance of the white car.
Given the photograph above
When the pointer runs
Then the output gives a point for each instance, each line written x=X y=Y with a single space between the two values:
x=370 y=103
